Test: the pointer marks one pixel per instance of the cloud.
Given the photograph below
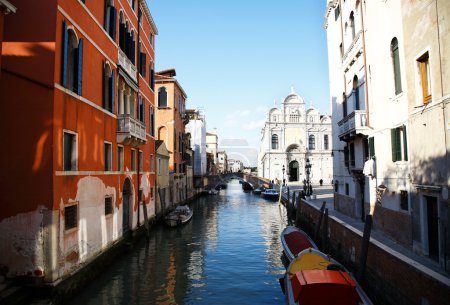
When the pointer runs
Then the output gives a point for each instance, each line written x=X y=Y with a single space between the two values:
x=262 y=109
x=254 y=125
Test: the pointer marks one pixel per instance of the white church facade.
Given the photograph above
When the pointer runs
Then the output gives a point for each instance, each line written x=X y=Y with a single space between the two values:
x=292 y=134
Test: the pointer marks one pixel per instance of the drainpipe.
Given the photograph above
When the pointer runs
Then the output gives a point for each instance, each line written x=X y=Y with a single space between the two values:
x=139 y=159
x=366 y=91
x=442 y=84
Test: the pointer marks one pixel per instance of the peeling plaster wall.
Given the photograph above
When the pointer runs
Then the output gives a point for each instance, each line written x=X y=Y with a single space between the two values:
x=95 y=230
x=21 y=243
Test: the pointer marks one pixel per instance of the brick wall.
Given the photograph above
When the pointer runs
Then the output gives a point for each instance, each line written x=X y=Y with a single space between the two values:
x=390 y=278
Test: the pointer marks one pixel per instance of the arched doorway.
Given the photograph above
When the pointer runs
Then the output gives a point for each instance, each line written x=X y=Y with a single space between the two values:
x=293 y=171
x=126 y=197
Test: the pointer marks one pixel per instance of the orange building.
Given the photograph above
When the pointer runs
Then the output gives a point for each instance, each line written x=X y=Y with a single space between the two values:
x=170 y=123
x=78 y=86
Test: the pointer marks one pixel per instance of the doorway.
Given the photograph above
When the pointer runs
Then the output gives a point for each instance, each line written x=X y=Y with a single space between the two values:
x=293 y=171
x=126 y=195
x=432 y=227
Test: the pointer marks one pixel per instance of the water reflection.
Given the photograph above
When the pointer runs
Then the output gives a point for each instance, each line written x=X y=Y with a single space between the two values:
x=228 y=253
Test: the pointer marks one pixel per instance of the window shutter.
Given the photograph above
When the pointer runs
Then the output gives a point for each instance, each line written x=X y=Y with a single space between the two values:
x=112 y=23
x=144 y=65
x=112 y=91
x=132 y=51
x=393 y=144
x=106 y=20
x=80 y=66
x=152 y=80
x=104 y=82
x=346 y=156
x=65 y=42
x=143 y=110
x=405 y=144
x=372 y=147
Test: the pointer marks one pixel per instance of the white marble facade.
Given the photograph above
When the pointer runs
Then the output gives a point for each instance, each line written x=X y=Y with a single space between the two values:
x=291 y=134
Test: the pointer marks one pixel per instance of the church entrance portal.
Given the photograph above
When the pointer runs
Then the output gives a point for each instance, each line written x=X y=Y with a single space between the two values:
x=293 y=171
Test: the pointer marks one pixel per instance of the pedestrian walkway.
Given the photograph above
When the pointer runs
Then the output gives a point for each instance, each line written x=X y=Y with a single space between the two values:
x=325 y=194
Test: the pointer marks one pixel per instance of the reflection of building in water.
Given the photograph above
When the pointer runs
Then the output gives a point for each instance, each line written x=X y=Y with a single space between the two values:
x=273 y=221
x=292 y=134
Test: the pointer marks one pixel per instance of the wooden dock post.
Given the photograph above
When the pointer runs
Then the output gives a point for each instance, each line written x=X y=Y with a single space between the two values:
x=322 y=209
x=325 y=232
x=298 y=214
x=365 y=247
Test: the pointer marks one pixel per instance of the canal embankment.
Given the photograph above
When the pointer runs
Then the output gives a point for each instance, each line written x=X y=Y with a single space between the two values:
x=393 y=275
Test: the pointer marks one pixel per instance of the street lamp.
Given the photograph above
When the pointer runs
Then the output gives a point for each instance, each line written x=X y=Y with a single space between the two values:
x=308 y=172
x=283 y=169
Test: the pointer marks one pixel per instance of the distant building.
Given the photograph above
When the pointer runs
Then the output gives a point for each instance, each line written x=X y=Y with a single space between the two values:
x=211 y=147
x=170 y=126
x=196 y=127
x=291 y=135
x=162 y=178
x=222 y=162
x=235 y=166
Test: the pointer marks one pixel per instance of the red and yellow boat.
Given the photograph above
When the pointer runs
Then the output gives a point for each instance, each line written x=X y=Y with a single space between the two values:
x=314 y=278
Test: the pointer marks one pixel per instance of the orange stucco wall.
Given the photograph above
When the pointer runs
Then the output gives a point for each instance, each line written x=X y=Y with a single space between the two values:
x=168 y=119
x=37 y=110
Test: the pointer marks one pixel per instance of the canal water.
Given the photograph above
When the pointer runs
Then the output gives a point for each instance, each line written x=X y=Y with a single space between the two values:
x=229 y=253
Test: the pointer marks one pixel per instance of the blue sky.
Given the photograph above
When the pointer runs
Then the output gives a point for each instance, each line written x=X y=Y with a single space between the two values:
x=234 y=58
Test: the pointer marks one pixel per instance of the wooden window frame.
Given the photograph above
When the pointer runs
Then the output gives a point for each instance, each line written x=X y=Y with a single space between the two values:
x=74 y=153
x=120 y=157
x=107 y=167
x=425 y=81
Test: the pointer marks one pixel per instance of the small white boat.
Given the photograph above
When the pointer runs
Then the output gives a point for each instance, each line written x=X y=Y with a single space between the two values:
x=181 y=215
x=270 y=194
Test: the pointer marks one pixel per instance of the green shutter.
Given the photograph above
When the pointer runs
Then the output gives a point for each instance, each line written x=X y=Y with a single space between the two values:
x=393 y=145
x=371 y=147
x=405 y=144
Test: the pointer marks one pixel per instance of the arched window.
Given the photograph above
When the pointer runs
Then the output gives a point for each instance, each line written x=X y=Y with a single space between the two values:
x=356 y=91
x=274 y=141
x=396 y=65
x=352 y=25
x=312 y=142
x=162 y=97
x=325 y=142
x=108 y=88
x=72 y=60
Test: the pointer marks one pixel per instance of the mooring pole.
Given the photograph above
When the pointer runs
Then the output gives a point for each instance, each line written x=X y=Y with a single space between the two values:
x=298 y=214
x=365 y=247
x=325 y=232
x=322 y=209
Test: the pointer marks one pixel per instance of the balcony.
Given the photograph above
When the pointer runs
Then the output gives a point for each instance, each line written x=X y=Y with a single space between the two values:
x=127 y=65
x=353 y=52
x=352 y=125
x=130 y=131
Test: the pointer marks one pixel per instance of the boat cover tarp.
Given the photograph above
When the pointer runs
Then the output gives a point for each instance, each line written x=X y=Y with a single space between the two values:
x=324 y=287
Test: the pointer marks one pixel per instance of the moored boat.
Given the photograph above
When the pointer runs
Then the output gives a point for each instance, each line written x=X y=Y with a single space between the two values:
x=270 y=194
x=247 y=186
x=181 y=215
x=295 y=241
x=314 y=278
x=258 y=190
